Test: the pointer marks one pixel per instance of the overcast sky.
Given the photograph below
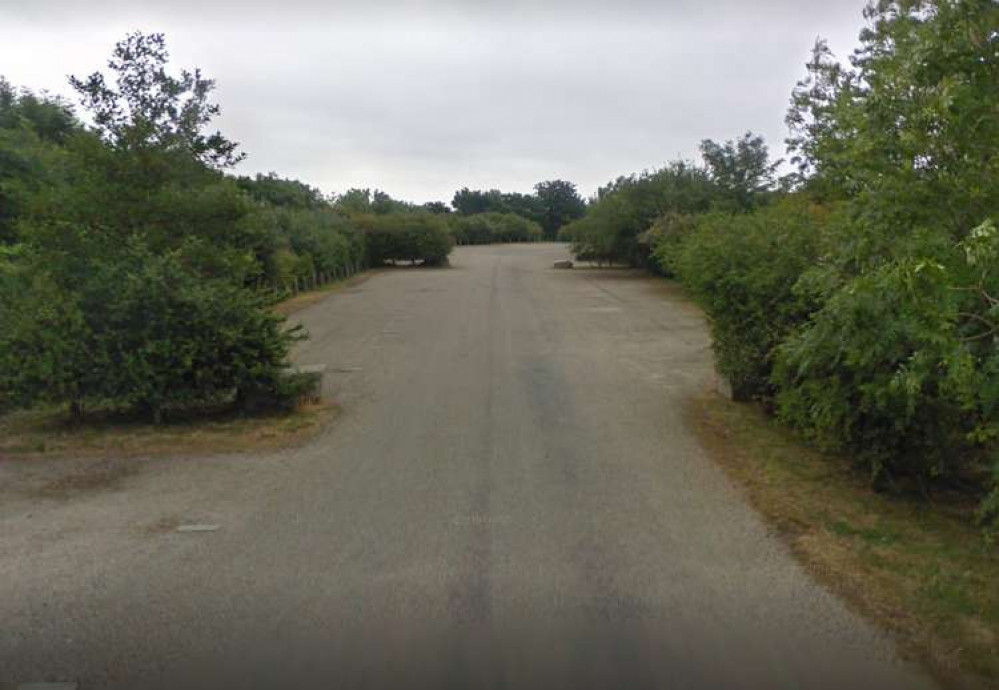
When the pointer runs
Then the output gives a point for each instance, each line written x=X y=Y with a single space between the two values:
x=422 y=97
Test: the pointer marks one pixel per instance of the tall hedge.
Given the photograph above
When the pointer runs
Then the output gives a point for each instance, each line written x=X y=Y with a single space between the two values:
x=415 y=237
x=491 y=227
x=744 y=270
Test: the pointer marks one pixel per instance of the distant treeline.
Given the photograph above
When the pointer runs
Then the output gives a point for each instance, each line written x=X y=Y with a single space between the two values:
x=857 y=297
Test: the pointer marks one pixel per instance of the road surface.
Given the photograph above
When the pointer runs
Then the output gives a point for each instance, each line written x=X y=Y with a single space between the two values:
x=510 y=499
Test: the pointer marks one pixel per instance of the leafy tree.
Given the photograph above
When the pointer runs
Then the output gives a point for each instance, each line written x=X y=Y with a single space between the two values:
x=742 y=169
x=559 y=204
x=364 y=201
x=50 y=118
x=910 y=129
x=438 y=207
x=33 y=130
x=128 y=287
x=898 y=365
x=274 y=190
x=469 y=202
x=149 y=109
x=626 y=208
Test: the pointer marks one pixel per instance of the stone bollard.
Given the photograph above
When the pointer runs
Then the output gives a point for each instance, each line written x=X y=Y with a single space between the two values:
x=565 y=263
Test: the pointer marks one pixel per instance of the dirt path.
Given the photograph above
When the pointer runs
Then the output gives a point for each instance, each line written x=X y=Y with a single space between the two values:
x=510 y=499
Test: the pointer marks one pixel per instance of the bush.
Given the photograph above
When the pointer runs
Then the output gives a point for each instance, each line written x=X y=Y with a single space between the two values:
x=743 y=269
x=416 y=237
x=142 y=330
x=330 y=241
x=665 y=239
x=899 y=367
x=486 y=228
x=626 y=208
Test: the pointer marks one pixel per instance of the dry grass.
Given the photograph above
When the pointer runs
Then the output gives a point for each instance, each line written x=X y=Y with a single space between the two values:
x=50 y=433
x=307 y=299
x=920 y=570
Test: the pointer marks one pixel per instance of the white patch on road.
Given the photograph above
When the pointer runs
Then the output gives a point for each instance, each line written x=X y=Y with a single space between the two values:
x=470 y=520
x=198 y=528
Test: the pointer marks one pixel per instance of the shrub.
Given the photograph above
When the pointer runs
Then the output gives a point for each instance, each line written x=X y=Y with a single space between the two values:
x=486 y=228
x=626 y=208
x=665 y=239
x=899 y=366
x=141 y=330
x=416 y=237
x=743 y=269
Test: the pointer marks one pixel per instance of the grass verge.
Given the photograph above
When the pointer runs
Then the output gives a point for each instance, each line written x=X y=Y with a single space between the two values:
x=302 y=300
x=50 y=433
x=920 y=570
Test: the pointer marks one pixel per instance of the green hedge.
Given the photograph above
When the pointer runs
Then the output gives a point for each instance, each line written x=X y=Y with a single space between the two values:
x=415 y=237
x=488 y=228
x=140 y=329
x=743 y=270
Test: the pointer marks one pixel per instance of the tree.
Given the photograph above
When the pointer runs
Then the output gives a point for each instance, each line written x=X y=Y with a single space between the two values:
x=437 y=207
x=741 y=169
x=468 y=202
x=560 y=203
x=898 y=364
x=363 y=201
x=33 y=133
x=910 y=128
x=128 y=286
x=274 y=190
x=625 y=209
x=150 y=109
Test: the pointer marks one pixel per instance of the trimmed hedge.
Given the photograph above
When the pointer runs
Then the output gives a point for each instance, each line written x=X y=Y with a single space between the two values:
x=414 y=237
x=488 y=228
x=743 y=270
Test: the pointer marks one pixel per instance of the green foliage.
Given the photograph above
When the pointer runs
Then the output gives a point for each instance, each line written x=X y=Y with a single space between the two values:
x=32 y=130
x=742 y=170
x=308 y=241
x=470 y=202
x=365 y=201
x=893 y=367
x=150 y=110
x=486 y=228
x=743 y=270
x=126 y=287
x=625 y=209
x=910 y=129
x=559 y=204
x=140 y=329
x=553 y=204
x=899 y=364
x=415 y=237
x=438 y=207
x=666 y=238
x=276 y=191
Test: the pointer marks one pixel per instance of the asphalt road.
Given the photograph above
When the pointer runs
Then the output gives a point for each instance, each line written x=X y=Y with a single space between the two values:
x=510 y=499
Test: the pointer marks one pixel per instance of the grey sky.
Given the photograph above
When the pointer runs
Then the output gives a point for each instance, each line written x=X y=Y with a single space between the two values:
x=422 y=97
